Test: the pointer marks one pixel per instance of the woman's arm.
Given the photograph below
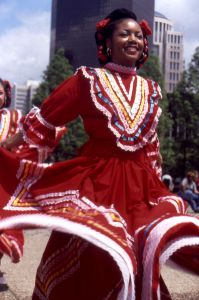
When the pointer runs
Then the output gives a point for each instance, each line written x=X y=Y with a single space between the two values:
x=40 y=125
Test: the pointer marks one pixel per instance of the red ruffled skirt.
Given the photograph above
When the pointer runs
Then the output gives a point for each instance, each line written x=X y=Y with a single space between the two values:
x=119 y=223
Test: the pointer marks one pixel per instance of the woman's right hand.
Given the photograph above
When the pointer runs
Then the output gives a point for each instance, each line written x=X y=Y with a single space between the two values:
x=13 y=141
x=3 y=144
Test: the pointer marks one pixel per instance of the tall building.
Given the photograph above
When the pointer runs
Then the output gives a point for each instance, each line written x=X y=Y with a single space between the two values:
x=73 y=25
x=22 y=95
x=168 y=45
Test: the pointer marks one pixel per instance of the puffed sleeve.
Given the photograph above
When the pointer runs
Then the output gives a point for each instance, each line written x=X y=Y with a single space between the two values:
x=41 y=127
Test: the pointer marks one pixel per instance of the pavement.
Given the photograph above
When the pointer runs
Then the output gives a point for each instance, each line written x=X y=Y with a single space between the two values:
x=20 y=277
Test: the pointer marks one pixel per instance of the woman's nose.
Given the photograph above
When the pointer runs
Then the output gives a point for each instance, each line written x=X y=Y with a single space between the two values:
x=132 y=37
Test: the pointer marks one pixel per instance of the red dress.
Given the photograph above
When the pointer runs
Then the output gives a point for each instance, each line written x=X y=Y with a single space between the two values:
x=115 y=222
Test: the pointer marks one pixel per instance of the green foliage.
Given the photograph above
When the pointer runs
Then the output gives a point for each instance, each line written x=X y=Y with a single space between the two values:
x=193 y=76
x=57 y=71
x=72 y=141
x=184 y=108
x=151 y=70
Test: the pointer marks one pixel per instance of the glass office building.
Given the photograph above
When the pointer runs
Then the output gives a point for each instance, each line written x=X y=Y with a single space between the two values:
x=73 y=25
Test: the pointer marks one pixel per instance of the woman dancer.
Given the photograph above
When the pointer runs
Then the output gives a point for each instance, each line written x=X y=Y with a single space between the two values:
x=116 y=223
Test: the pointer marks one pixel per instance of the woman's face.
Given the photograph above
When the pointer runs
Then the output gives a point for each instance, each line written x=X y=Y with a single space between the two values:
x=126 y=43
x=2 y=96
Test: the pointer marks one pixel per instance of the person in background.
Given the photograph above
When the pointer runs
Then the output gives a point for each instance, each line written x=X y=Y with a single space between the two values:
x=115 y=223
x=196 y=178
x=189 y=191
x=11 y=241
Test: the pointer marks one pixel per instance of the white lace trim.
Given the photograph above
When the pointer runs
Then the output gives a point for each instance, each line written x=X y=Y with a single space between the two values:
x=133 y=111
x=152 y=242
x=175 y=245
x=35 y=112
x=119 y=143
x=118 y=254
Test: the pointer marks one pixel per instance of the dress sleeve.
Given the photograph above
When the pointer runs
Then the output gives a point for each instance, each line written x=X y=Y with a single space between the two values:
x=41 y=127
x=154 y=156
x=153 y=148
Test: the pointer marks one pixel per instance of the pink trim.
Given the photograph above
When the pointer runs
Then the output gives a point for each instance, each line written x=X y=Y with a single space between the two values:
x=119 y=68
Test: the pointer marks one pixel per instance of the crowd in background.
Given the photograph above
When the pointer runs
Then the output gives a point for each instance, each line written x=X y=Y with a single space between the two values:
x=187 y=187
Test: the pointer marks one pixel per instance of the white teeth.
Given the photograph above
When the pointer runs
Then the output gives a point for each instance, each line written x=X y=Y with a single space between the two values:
x=133 y=48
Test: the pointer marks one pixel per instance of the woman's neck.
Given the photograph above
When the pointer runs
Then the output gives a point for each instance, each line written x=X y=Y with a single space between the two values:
x=119 y=68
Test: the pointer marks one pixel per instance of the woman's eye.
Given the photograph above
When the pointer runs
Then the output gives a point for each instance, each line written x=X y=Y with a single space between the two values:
x=123 y=33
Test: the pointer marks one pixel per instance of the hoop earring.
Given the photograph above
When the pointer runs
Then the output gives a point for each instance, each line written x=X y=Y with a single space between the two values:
x=108 y=51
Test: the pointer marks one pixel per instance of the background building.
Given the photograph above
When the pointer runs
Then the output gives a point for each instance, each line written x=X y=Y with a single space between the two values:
x=22 y=95
x=73 y=25
x=168 y=45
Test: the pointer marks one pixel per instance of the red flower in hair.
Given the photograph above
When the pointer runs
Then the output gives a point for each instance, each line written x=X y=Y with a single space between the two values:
x=102 y=57
x=100 y=36
x=145 y=27
x=6 y=83
x=101 y=24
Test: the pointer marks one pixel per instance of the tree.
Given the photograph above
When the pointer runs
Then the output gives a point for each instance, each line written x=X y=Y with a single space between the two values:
x=151 y=69
x=183 y=105
x=57 y=71
x=193 y=73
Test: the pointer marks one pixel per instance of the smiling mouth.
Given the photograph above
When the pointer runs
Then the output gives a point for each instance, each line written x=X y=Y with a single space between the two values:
x=131 y=45
x=131 y=49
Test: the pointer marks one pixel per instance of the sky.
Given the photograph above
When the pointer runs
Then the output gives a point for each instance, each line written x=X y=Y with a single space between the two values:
x=185 y=16
x=25 y=34
x=24 y=39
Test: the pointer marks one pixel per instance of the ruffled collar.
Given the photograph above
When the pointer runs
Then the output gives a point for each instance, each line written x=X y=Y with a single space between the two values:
x=121 y=69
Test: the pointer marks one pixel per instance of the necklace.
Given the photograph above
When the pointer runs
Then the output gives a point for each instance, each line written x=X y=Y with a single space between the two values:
x=127 y=94
x=119 y=68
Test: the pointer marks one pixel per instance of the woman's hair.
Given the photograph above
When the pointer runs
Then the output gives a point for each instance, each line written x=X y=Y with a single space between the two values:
x=190 y=174
x=7 y=88
x=106 y=27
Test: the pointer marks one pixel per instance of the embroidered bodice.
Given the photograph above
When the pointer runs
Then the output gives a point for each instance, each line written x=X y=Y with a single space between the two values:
x=129 y=102
x=114 y=104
